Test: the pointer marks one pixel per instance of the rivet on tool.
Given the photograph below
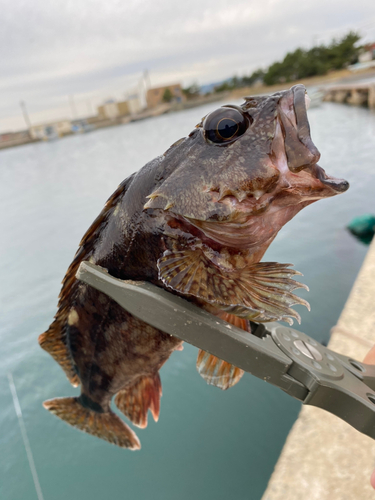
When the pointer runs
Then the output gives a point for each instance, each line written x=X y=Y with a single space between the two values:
x=308 y=350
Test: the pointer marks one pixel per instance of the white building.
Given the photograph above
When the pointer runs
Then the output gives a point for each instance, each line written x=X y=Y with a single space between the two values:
x=134 y=104
x=52 y=130
x=112 y=109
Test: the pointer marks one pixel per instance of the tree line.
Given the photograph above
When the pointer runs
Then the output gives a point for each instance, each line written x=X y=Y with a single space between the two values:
x=301 y=63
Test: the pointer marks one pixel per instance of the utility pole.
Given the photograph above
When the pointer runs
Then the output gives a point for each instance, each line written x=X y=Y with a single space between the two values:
x=73 y=107
x=89 y=107
x=25 y=115
x=142 y=91
x=147 y=82
x=146 y=76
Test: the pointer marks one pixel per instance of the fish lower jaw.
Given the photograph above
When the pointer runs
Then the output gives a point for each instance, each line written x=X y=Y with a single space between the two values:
x=337 y=185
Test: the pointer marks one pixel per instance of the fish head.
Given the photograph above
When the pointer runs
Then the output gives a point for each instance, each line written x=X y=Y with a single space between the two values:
x=245 y=170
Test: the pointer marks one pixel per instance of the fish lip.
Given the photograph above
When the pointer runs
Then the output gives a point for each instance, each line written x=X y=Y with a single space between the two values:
x=303 y=133
x=337 y=185
x=303 y=127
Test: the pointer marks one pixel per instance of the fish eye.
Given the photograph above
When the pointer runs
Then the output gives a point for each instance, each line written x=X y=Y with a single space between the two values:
x=224 y=125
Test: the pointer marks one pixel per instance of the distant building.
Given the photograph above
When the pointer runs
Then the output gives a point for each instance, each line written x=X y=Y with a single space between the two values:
x=109 y=110
x=157 y=95
x=14 y=136
x=368 y=53
x=112 y=109
x=366 y=59
x=9 y=139
x=53 y=130
x=134 y=104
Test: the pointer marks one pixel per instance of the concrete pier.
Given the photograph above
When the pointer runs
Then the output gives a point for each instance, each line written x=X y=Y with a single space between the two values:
x=324 y=458
x=357 y=94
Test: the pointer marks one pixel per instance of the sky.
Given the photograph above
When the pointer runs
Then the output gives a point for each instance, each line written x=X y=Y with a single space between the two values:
x=95 y=50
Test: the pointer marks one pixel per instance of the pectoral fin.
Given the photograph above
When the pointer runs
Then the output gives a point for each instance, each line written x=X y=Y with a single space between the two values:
x=259 y=292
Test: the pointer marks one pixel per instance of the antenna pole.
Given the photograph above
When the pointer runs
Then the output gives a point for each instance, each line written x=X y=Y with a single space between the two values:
x=25 y=115
x=73 y=107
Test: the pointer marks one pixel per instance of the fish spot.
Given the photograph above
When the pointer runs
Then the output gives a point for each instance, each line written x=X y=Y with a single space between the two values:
x=116 y=210
x=73 y=317
x=75 y=340
x=101 y=342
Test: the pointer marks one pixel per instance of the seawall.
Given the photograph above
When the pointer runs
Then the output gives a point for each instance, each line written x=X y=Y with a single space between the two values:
x=323 y=457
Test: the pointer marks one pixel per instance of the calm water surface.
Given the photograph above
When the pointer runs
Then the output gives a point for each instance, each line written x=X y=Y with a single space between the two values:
x=208 y=444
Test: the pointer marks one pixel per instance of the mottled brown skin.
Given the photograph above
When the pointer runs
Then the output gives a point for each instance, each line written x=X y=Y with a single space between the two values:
x=111 y=348
x=227 y=201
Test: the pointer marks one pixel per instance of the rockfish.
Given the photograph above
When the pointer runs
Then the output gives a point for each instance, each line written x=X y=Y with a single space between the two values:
x=196 y=221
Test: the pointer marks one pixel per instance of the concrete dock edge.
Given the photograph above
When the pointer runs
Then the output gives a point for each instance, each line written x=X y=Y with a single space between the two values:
x=323 y=457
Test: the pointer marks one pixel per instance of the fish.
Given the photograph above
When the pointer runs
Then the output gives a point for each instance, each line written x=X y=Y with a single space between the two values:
x=195 y=221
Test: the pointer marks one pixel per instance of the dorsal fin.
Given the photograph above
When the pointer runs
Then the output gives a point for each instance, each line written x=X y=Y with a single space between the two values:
x=54 y=339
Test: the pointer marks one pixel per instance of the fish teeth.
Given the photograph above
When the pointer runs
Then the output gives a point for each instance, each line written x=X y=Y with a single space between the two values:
x=223 y=192
x=258 y=194
x=240 y=195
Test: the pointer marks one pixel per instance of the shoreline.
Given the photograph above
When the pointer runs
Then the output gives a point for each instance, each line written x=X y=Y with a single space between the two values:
x=333 y=78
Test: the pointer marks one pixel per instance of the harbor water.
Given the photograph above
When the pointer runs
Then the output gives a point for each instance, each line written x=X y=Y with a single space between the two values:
x=208 y=444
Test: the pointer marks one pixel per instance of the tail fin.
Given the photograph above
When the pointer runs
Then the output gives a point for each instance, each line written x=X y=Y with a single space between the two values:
x=106 y=425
